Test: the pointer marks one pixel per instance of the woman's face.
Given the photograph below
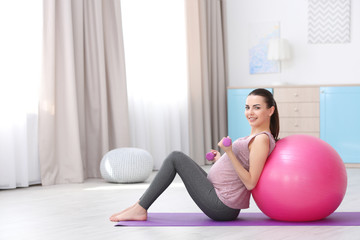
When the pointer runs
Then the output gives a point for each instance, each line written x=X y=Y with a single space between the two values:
x=257 y=113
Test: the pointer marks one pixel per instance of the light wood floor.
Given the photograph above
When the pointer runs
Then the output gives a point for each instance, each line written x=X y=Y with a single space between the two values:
x=81 y=211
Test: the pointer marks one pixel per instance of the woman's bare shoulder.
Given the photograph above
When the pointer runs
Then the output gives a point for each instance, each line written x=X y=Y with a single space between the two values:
x=261 y=139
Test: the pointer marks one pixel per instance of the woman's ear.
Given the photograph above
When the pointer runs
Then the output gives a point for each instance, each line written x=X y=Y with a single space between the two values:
x=272 y=110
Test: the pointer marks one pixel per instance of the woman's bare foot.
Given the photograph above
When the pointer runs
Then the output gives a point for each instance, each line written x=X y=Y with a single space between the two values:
x=114 y=215
x=133 y=213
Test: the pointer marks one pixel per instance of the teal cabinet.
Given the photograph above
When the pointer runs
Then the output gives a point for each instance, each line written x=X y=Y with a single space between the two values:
x=238 y=125
x=340 y=120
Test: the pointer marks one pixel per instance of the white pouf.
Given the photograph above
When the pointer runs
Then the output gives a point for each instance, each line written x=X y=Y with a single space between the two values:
x=126 y=165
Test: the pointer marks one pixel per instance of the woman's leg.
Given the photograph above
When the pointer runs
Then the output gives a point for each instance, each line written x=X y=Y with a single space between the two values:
x=195 y=179
x=196 y=182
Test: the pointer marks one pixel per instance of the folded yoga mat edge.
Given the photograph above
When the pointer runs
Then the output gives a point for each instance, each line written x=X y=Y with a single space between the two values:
x=245 y=219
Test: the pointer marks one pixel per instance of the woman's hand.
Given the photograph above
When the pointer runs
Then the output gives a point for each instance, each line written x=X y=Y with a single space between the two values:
x=217 y=155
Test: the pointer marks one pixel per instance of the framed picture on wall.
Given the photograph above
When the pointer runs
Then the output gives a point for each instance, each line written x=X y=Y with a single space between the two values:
x=259 y=35
x=329 y=21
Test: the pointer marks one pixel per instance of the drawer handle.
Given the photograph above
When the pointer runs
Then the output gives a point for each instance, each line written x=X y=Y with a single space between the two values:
x=296 y=94
x=296 y=110
x=296 y=125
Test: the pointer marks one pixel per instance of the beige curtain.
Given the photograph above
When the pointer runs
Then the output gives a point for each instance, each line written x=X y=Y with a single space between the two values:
x=83 y=109
x=207 y=78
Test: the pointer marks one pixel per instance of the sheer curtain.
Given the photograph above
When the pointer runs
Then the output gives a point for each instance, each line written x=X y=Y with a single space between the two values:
x=156 y=67
x=20 y=72
x=176 y=75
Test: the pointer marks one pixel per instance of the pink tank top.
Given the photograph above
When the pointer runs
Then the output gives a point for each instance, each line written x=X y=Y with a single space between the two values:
x=228 y=186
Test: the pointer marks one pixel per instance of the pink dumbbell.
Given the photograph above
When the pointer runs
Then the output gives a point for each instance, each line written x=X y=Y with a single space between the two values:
x=227 y=142
x=210 y=156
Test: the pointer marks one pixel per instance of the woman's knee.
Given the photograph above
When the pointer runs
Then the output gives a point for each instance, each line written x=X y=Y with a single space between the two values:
x=177 y=156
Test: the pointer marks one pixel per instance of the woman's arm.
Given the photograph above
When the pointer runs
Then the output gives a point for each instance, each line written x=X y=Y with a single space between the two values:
x=259 y=150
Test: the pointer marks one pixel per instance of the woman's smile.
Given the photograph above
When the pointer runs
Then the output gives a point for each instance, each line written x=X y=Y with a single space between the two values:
x=252 y=119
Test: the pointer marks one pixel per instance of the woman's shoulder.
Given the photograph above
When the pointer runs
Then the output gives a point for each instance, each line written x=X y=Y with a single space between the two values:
x=265 y=139
x=261 y=138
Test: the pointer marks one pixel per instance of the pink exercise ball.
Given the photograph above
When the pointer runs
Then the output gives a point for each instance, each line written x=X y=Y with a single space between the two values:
x=304 y=179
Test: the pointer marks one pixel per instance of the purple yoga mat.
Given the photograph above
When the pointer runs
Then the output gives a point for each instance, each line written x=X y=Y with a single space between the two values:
x=245 y=219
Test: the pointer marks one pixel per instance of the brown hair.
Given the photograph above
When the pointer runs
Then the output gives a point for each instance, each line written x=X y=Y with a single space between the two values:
x=270 y=101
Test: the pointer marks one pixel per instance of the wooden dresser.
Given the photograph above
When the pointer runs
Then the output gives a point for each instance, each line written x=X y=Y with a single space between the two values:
x=299 y=110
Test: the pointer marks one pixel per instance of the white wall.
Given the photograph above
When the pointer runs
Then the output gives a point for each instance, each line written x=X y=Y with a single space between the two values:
x=311 y=64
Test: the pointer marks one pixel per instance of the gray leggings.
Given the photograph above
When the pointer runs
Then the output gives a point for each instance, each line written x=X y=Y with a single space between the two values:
x=195 y=179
